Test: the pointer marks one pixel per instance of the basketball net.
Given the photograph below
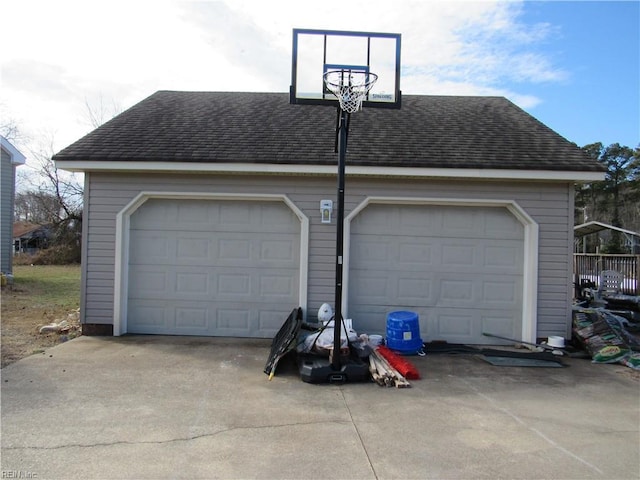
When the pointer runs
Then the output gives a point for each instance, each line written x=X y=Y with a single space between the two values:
x=351 y=88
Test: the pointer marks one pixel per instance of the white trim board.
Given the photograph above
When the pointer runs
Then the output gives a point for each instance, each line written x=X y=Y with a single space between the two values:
x=530 y=266
x=289 y=169
x=17 y=158
x=123 y=222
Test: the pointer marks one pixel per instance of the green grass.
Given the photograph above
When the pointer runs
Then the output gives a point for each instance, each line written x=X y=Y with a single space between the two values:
x=40 y=295
x=48 y=285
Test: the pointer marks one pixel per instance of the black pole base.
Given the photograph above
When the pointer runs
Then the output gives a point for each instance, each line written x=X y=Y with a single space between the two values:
x=317 y=369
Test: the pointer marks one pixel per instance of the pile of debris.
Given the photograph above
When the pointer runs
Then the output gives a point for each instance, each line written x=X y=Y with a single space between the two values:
x=67 y=328
x=388 y=369
x=609 y=336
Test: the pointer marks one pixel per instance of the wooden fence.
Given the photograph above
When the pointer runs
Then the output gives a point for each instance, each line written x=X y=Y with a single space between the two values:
x=587 y=266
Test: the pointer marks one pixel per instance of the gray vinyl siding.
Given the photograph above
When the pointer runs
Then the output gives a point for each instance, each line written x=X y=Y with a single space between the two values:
x=548 y=203
x=7 y=191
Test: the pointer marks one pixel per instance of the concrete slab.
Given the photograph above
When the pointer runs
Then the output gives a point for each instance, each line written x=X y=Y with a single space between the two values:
x=185 y=407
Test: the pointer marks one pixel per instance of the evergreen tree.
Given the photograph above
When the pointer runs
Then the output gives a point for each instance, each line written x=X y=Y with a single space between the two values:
x=615 y=200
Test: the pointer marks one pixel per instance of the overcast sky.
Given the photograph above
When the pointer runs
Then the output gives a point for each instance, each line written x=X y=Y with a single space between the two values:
x=573 y=65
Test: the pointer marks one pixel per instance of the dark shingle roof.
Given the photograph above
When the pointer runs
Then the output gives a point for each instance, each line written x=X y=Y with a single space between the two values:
x=429 y=131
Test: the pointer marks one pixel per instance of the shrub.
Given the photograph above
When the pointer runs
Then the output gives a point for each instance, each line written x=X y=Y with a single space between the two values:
x=57 y=255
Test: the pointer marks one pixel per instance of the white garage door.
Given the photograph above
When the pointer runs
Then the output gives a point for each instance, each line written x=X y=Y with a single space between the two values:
x=212 y=267
x=459 y=268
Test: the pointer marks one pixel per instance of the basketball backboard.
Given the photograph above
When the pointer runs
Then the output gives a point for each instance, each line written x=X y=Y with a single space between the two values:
x=317 y=51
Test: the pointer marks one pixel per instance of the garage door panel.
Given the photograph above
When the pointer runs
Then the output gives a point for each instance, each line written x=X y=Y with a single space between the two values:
x=154 y=214
x=456 y=291
x=193 y=248
x=192 y=212
x=371 y=286
x=234 y=249
x=191 y=318
x=202 y=248
x=429 y=289
x=455 y=325
x=153 y=282
x=148 y=247
x=458 y=325
x=415 y=291
x=373 y=251
x=225 y=284
x=208 y=267
x=503 y=293
x=150 y=315
x=376 y=221
x=268 y=321
x=277 y=217
x=456 y=256
x=451 y=323
x=377 y=287
x=277 y=250
x=507 y=257
x=233 y=286
x=203 y=216
x=367 y=318
x=159 y=282
x=415 y=254
x=275 y=287
x=411 y=220
x=192 y=283
x=460 y=268
x=504 y=226
x=505 y=326
x=457 y=222
x=203 y=318
x=232 y=321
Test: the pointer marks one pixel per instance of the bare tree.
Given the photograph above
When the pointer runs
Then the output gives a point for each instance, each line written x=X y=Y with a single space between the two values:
x=53 y=197
x=9 y=128
x=36 y=207
x=101 y=111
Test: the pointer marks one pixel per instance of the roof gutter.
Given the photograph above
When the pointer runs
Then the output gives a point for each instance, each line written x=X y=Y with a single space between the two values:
x=323 y=170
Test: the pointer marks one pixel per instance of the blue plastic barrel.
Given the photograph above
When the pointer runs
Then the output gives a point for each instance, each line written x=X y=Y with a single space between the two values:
x=403 y=332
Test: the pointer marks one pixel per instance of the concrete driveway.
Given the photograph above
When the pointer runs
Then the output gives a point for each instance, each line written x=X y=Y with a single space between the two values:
x=148 y=407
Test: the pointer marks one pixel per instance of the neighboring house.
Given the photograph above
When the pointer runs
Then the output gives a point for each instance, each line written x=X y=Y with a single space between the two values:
x=30 y=238
x=202 y=217
x=11 y=159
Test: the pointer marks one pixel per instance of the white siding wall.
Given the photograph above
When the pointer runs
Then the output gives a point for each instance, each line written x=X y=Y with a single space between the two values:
x=549 y=204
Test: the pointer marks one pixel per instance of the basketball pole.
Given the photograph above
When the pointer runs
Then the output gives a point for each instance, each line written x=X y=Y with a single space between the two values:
x=337 y=320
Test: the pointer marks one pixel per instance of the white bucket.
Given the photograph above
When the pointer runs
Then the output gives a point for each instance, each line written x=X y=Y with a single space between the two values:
x=375 y=340
x=555 y=341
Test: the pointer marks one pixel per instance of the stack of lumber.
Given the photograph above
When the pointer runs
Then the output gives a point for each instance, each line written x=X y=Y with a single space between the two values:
x=384 y=374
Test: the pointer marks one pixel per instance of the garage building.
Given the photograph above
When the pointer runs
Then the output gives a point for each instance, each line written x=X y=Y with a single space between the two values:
x=202 y=217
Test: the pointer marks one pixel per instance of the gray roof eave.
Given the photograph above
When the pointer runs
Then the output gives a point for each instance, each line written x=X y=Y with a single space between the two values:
x=331 y=169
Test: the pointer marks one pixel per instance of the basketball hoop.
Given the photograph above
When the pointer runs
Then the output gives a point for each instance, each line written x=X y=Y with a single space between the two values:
x=350 y=87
